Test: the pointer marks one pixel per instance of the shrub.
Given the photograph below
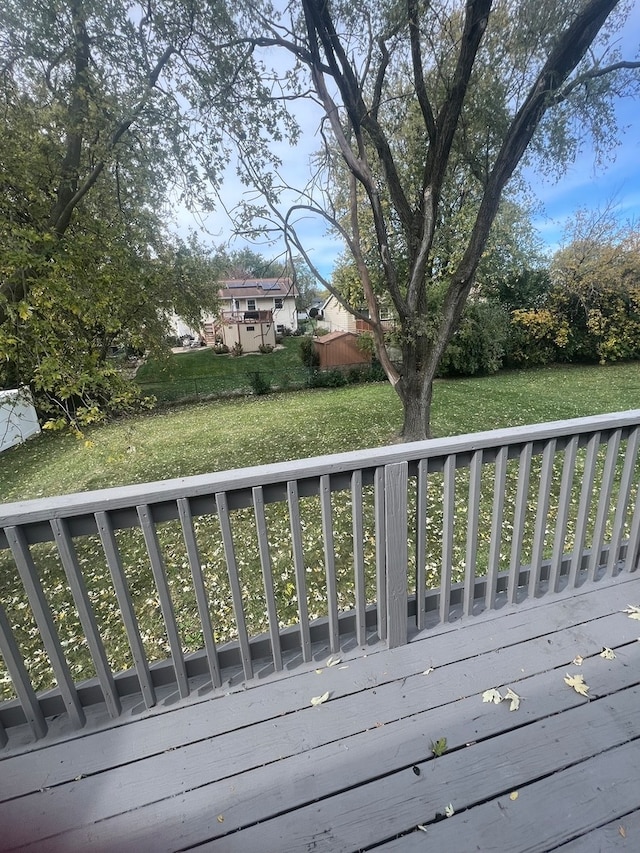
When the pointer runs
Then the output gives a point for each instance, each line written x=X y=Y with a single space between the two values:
x=478 y=344
x=265 y=348
x=334 y=378
x=236 y=349
x=220 y=349
x=260 y=385
x=308 y=353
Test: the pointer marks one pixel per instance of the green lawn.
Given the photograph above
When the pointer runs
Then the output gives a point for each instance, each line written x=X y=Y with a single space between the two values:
x=219 y=435
x=199 y=373
x=226 y=434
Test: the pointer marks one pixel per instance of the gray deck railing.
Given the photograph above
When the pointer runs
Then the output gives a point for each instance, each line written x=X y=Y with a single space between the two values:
x=309 y=555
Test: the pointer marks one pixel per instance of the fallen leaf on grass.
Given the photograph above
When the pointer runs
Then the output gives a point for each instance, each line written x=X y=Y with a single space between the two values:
x=577 y=682
x=513 y=795
x=492 y=695
x=608 y=654
x=449 y=810
x=633 y=611
x=577 y=661
x=334 y=660
x=318 y=700
x=515 y=699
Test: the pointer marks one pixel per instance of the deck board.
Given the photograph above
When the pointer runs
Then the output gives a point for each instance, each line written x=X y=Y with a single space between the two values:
x=282 y=775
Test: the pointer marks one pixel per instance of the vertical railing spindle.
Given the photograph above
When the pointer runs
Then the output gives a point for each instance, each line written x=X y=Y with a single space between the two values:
x=20 y=677
x=421 y=543
x=584 y=505
x=87 y=617
x=448 y=518
x=202 y=600
x=381 y=552
x=222 y=508
x=604 y=503
x=329 y=562
x=358 y=556
x=471 y=552
x=396 y=550
x=267 y=576
x=112 y=555
x=564 y=504
x=298 y=565
x=497 y=513
x=542 y=510
x=166 y=605
x=622 y=503
x=44 y=620
x=519 y=518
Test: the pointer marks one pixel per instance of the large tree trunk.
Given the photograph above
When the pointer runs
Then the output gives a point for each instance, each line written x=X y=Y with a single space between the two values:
x=415 y=390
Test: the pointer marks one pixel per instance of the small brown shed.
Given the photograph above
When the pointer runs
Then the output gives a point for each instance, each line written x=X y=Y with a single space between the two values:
x=340 y=349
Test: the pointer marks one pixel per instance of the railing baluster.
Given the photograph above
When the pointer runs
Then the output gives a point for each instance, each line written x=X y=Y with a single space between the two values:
x=448 y=518
x=20 y=678
x=519 y=517
x=358 y=556
x=421 y=544
x=166 y=605
x=202 y=600
x=267 y=576
x=44 y=620
x=633 y=545
x=112 y=554
x=622 y=502
x=542 y=511
x=78 y=589
x=298 y=564
x=603 y=506
x=329 y=562
x=564 y=505
x=497 y=513
x=381 y=552
x=3 y=736
x=584 y=505
x=222 y=508
x=395 y=526
x=471 y=552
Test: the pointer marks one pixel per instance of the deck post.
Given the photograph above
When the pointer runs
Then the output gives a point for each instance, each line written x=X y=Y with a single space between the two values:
x=396 y=551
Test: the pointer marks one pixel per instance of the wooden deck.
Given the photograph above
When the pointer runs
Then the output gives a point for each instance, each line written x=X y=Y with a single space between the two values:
x=260 y=769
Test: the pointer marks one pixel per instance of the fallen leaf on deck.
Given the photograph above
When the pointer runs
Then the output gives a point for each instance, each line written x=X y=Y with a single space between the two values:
x=346 y=666
x=577 y=682
x=318 y=700
x=608 y=654
x=515 y=699
x=492 y=695
x=633 y=611
x=513 y=795
x=334 y=660
x=318 y=672
x=428 y=671
x=449 y=810
x=622 y=831
x=577 y=661
x=422 y=828
x=220 y=818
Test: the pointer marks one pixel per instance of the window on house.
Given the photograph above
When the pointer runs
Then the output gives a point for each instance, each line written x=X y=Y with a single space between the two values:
x=251 y=328
x=251 y=304
x=280 y=329
x=277 y=303
x=236 y=305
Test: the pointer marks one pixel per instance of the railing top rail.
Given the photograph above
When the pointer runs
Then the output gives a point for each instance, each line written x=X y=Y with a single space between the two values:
x=121 y=497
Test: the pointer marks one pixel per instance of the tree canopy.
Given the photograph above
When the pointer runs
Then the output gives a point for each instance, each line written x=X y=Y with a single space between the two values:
x=432 y=107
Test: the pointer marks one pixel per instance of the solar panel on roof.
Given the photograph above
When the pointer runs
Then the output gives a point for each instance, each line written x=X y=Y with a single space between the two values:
x=268 y=286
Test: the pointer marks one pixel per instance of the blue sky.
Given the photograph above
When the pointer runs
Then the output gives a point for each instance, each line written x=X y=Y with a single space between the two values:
x=584 y=183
